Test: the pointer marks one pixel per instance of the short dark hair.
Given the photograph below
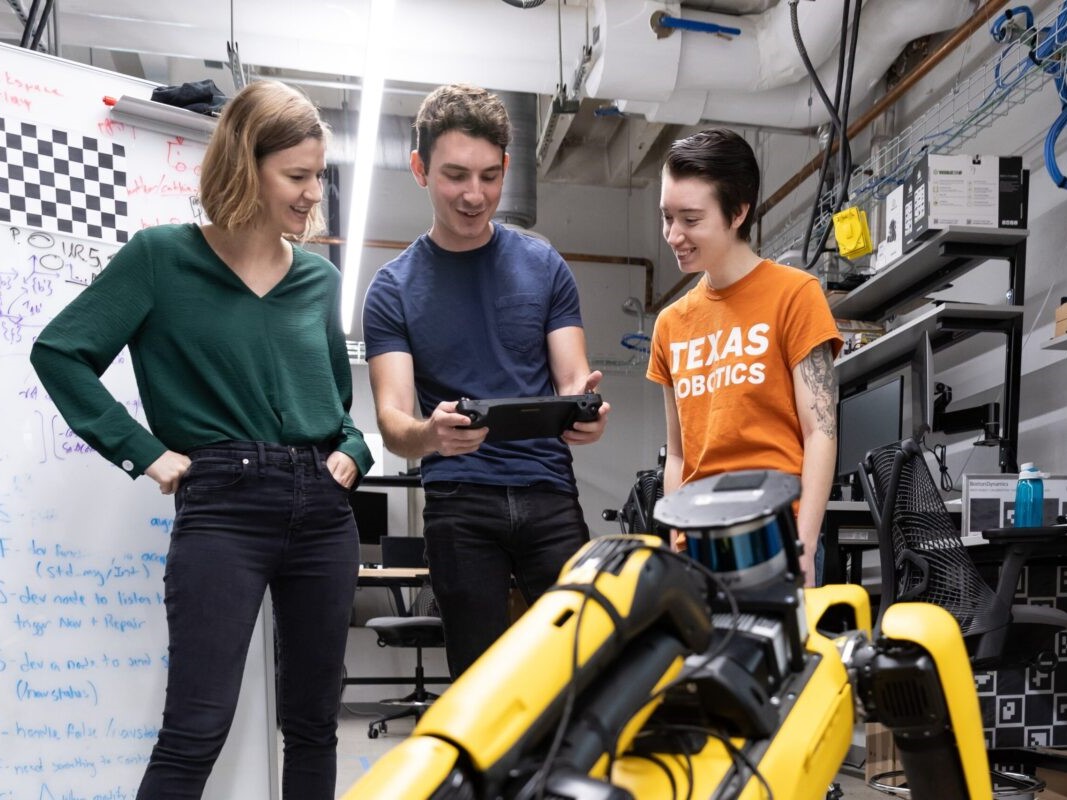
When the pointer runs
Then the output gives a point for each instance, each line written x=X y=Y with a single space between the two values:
x=470 y=109
x=725 y=160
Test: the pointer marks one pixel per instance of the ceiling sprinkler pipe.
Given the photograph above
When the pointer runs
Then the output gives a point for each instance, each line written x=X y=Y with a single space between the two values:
x=661 y=20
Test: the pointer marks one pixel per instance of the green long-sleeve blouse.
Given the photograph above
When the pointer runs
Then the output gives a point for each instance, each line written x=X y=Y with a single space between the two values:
x=213 y=361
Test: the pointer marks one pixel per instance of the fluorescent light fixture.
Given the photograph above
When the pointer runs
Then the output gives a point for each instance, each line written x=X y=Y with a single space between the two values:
x=163 y=118
x=370 y=109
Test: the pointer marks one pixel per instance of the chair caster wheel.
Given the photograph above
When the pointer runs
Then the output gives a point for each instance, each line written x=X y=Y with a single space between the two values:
x=384 y=728
x=372 y=733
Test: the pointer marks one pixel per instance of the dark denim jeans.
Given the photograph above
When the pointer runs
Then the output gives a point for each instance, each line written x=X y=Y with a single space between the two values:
x=477 y=537
x=249 y=516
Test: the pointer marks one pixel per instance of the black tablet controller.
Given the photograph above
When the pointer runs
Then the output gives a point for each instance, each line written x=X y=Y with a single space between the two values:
x=529 y=417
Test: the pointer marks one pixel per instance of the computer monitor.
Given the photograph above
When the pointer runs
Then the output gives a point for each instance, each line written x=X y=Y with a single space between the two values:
x=371 y=510
x=867 y=420
x=922 y=388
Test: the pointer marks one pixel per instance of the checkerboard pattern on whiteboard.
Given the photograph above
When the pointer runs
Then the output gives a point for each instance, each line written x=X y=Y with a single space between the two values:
x=54 y=180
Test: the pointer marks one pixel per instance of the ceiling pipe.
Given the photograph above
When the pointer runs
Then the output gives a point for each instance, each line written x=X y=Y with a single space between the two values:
x=683 y=78
x=886 y=28
x=631 y=61
x=756 y=78
x=518 y=198
x=958 y=37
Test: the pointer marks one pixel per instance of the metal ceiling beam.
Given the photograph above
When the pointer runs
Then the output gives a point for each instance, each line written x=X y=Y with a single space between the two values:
x=553 y=132
x=630 y=148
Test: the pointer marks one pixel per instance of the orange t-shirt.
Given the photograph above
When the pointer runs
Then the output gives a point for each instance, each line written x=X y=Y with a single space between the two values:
x=730 y=354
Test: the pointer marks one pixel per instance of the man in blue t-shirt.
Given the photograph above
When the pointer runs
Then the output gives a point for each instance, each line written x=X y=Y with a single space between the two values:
x=473 y=309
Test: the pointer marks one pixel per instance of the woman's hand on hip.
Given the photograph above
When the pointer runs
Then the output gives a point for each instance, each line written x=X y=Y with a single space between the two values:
x=167 y=471
x=343 y=468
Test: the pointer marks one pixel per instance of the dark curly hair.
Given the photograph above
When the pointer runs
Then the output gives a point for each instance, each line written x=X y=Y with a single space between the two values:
x=470 y=109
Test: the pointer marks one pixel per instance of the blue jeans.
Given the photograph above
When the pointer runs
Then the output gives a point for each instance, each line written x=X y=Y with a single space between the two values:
x=477 y=537
x=249 y=516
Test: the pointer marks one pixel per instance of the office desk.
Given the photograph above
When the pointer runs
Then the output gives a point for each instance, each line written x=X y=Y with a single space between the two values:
x=394 y=579
x=849 y=528
x=859 y=535
x=393 y=576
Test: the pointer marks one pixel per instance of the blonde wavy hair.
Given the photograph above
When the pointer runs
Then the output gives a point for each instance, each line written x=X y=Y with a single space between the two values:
x=263 y=118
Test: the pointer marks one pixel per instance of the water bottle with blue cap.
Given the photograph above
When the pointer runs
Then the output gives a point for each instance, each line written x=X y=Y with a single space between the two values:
x=1029 y=497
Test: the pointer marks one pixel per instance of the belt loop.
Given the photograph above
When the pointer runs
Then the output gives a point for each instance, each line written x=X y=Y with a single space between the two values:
x=262 y=451
x=317 y=459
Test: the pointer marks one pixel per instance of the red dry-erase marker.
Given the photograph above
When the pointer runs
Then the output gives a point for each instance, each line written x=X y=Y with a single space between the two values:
x=109 y=101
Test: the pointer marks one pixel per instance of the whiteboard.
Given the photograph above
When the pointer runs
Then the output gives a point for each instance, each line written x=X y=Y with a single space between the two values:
x=83 y=636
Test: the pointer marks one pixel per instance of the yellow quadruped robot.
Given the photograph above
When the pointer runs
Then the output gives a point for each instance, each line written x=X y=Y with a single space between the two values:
x=650 y=674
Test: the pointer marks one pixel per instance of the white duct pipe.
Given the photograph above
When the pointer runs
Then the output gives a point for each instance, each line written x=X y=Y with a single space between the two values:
x=684 y=78
x=728 y=91
x=630 y=61
x=886 y=27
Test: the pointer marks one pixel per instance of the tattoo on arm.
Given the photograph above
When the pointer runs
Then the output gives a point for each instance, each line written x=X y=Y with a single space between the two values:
x=817 y=369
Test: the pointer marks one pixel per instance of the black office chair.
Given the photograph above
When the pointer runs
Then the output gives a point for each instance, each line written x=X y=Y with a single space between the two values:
x=635 y=516
x=418 y=627
x=924 y=560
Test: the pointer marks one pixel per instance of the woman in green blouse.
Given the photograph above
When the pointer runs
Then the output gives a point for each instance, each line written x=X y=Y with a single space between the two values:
x=243 y=373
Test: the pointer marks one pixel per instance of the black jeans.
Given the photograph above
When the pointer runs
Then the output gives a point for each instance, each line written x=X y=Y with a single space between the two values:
x=248 y=516
x=477 y=537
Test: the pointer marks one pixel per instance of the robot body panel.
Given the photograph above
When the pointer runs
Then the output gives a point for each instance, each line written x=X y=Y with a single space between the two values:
x=616 y=589
x=591 y=694
x=798 y=758
x=418 y=767
x=938 y=634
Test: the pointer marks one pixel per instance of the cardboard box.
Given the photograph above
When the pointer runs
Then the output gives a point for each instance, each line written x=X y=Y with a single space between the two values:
x=989 y=501
x=973 y=191
x=1061 y=320
x=881 y=752
x=1056 y=784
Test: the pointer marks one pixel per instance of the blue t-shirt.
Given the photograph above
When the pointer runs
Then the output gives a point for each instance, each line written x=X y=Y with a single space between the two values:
x=475 y=324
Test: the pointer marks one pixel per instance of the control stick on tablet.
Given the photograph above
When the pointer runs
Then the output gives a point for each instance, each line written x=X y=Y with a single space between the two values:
x=588 y=408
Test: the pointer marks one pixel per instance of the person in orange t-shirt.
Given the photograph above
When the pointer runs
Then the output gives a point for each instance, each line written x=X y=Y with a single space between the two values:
x=745 y=357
